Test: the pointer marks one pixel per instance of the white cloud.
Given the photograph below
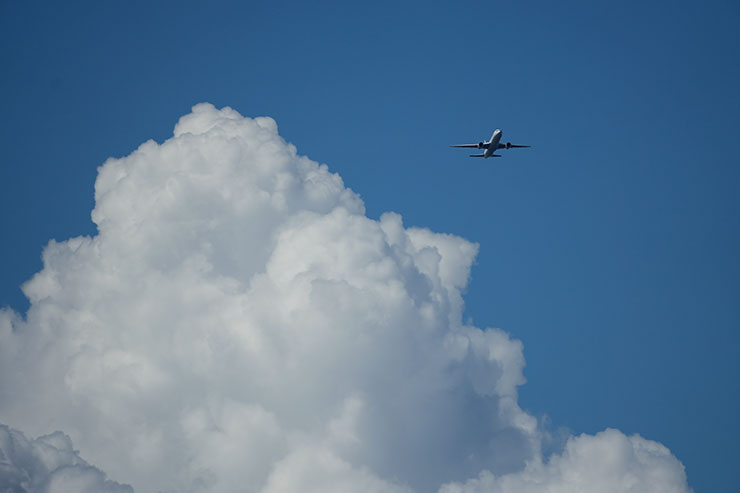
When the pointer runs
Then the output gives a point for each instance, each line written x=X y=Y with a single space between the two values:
x=608 y=462
x=48 y=464
x=238 y=323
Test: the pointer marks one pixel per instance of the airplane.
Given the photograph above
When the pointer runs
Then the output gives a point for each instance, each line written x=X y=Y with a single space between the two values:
x=491 y=146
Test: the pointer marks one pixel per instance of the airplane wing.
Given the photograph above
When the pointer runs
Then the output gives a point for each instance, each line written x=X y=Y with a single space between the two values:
x=476 y=146
x=510 y=146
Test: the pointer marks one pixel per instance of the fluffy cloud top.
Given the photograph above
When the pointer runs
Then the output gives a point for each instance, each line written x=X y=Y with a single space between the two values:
x=608 y=463
x=48 y=464
x=239 y=324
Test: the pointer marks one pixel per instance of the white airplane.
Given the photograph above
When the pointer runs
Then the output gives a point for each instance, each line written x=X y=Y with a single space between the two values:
x=491 y=146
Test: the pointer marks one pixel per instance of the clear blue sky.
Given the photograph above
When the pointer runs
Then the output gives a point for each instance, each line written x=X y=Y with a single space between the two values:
x=610 y=248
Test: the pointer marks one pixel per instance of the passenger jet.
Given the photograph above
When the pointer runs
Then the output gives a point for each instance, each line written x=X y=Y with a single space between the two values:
x=491 y=146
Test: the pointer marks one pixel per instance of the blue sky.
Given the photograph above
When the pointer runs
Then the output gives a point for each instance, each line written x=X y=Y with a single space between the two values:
x=609 y=248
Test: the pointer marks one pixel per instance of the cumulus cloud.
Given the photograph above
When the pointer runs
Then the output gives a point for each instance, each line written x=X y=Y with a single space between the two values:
x=608 y=462
x=239 y=324
x=48 y=464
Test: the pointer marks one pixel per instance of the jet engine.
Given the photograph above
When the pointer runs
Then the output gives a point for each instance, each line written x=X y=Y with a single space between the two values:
x=508 y=145
x=480 y=145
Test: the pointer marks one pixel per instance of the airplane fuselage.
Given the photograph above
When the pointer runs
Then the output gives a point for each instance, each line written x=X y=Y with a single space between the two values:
x=493 y=143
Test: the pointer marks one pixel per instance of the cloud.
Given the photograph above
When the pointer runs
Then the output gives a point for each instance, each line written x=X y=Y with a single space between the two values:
x=238 y=323
x=48 y=464
x=608 y=462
